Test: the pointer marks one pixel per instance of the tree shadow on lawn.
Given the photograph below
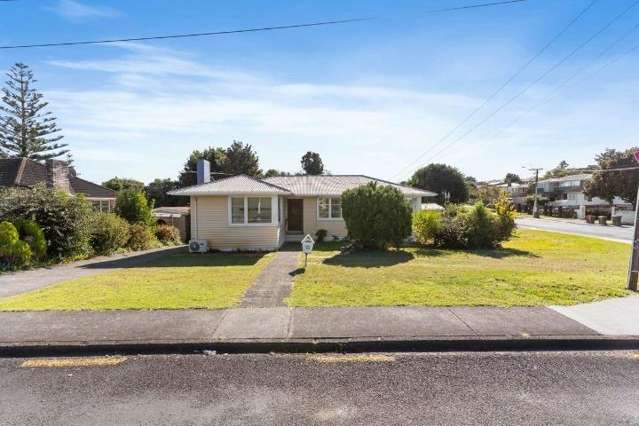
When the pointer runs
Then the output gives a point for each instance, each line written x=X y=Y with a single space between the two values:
x=180 y=258
x=370 y=259
x=501 y=253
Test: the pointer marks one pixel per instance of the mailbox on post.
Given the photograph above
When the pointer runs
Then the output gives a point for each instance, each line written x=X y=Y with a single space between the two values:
x=307 y=247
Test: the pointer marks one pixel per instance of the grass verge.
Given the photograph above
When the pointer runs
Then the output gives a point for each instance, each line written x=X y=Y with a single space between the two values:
x=534 y=268
x=175 y=281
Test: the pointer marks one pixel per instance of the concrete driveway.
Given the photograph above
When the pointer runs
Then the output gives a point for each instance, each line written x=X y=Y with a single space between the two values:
x=617 y=233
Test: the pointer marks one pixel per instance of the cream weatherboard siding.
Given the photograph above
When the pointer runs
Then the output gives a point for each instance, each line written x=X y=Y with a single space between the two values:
x=312 y=224
x=210 y=221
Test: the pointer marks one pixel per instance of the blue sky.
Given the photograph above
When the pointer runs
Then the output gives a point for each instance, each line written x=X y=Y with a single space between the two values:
x=370 y=97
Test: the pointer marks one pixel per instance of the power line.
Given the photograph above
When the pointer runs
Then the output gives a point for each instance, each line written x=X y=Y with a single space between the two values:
x=248 y=30
x=502 y=87
x=541 y=77
x=581 y=71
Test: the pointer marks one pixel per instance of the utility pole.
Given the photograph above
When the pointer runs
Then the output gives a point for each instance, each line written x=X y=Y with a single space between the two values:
x=535 y=204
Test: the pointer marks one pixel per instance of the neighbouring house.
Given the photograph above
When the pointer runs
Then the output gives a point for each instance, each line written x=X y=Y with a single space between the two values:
x=246 y=213
x=180 y=217
x=566 y=194
x=23 y=172
x=518 y=193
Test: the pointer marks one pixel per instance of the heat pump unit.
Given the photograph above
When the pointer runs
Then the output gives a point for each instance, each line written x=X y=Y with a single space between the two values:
x=198 y=246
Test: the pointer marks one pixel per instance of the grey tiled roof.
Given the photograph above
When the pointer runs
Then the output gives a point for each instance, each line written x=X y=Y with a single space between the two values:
x=240 y=184
x=300 y=186
x=25 y=172
x=336 y=184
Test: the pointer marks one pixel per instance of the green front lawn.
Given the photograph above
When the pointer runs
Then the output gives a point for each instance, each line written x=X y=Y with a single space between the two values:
x=534 y=268
x=176 y=281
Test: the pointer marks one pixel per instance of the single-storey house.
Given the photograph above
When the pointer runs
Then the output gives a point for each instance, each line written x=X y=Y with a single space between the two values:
x=24 y=172
x=246 y=213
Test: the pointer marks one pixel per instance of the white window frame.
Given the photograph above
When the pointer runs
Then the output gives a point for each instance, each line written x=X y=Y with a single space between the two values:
x=274 y=210
x=330 y=210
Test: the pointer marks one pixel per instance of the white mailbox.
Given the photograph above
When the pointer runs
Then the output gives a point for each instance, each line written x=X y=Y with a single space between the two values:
x=307 y=244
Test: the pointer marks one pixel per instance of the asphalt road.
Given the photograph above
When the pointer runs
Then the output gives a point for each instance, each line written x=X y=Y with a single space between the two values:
x=623 y=233
x=456 y=388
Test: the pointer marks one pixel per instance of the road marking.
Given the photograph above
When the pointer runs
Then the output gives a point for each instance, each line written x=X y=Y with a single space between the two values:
x=98 y=361
x=336 y=358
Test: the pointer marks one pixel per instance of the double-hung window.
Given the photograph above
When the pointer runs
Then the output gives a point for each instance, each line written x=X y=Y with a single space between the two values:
x=251 y=210
x=329 y=208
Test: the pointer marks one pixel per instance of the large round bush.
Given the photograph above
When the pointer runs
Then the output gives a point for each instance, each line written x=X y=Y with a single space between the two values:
x=376 y=216
x=110 y=233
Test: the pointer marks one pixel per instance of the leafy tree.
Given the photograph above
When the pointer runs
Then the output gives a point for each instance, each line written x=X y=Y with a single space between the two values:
x=608 y=185
x=123 y=184
x=487 y=194
x=312 y=163
x=441 y=178
x=563 y=169
x=241 y=159
x=26 y=130
x=157 y=192
x=512 y=178
x=376 y=216
x=134 y=207
x=215 y=156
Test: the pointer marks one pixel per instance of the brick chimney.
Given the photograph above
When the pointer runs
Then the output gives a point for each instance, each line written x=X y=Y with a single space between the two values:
x=58 y=175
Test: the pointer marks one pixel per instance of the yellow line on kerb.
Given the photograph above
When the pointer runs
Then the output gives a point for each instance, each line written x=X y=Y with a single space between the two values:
x=326 y=359
x=98 y=361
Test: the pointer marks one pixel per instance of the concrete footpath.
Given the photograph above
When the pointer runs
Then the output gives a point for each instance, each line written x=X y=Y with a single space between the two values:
x=283 y=329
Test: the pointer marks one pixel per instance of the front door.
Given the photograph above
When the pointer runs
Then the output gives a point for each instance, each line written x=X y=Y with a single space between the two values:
x=295 y=215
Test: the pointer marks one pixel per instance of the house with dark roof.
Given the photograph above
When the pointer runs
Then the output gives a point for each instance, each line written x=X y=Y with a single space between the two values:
x=23 y=172
x=246 y=213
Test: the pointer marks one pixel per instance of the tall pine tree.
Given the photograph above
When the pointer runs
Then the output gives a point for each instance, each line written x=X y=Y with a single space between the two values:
x=26 y=130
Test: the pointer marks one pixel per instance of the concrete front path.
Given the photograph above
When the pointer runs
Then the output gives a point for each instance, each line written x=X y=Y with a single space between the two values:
x=615 y=317
x=274 y=283
x=23 y=281
x=283 y=324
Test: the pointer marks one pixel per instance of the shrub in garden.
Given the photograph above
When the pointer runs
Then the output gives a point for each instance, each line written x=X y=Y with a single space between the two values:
x=141 y=237
x=320 y=235
x=64 y=219
x=376 y=216
x=168 y=235
x=14 y=252
x=134 y=207
x=110 y=233
x=474 y=227
x=32 y=234
x=426 y=224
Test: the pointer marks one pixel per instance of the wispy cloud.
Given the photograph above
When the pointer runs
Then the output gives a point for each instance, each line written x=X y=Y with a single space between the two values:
x=154 y=105
x=74 y=10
